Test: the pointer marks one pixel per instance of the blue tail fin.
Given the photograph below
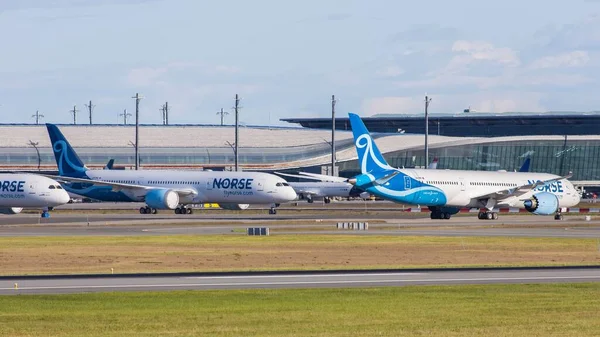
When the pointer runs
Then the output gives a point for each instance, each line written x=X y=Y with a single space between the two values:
x=525 y=166
x=67 y=160
x=369 y=157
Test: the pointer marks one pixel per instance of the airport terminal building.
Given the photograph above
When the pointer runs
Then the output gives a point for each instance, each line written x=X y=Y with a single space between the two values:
x=556 y=143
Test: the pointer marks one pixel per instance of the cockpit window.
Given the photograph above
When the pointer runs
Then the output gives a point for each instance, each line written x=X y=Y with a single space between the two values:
x=282 y=184
x=52 y=187
x=278 y=184
x=58 y=187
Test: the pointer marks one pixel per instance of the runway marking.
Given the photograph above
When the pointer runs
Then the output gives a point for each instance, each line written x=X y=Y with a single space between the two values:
x=299 y=276
x=532 y=278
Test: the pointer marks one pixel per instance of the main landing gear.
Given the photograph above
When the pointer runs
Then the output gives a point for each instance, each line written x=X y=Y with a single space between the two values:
x=487 y=215
x=183 y=210
x=558 y=215
x=178 y=210
x=148 y=210
x=442 y=212
x=440 y=215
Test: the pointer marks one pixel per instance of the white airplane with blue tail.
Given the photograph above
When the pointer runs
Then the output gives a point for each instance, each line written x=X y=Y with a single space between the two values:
x=166 y=189
x=445 y=192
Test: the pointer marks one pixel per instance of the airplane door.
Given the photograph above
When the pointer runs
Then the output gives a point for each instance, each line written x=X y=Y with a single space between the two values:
x=461 y=181
x=407 y=184
x=209 y=185
x=260 y=185
x=32 y=189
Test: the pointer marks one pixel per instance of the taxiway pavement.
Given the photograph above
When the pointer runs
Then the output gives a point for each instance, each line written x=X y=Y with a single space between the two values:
x=82 y=284
x=574 y=226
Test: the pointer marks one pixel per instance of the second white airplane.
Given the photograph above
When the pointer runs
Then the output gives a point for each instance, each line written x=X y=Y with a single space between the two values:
x=445 y=192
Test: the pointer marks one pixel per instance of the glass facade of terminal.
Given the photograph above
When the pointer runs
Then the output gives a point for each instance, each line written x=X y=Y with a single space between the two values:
x=582 y=157
x=97 y=156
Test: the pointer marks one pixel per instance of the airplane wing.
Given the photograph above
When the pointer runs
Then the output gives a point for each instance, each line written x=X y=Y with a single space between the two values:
x=308 y=192
x=314 y=176
x=121 y=186
x=519 y=190
x=325 y=177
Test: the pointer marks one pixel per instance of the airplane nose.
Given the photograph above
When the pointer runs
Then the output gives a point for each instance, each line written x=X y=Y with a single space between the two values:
x=291 y=194
x=286 y=194
x=62 y=197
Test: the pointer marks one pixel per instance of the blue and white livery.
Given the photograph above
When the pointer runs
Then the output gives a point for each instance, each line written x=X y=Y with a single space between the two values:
x=445 y=192
x=18 y=191
x=167 y=189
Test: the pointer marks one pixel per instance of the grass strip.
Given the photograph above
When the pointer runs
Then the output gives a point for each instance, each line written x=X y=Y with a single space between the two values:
x=180 y=253
x=470 y=310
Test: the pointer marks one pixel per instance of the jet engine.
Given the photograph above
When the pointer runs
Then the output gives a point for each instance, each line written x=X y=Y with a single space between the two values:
x=162 y=199
x=542 y=204
x=11 y=210
x=234 y=207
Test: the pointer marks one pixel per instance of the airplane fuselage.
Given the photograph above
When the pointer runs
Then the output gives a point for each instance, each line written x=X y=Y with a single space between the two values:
x=208 y=186
x=458 y=188
x=30 y=190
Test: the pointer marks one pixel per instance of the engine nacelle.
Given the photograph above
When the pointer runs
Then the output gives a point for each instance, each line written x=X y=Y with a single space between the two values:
x=11 y=210
x=235 y=207
x=542 y=204
x=162 y=199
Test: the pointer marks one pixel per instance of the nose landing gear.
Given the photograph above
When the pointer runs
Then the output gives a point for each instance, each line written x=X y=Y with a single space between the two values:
x=45 y=213
x=273 y=209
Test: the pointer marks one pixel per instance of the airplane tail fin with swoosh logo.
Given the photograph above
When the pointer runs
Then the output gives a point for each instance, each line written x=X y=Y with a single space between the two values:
x=370 y=159
x=68 y=162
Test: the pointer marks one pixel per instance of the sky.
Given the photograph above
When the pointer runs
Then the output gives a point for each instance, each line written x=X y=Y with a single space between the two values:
x=285 y=59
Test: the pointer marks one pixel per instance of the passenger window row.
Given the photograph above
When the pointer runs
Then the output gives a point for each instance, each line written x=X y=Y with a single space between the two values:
x=442 y=182
x=158 y=182
x=492 y=184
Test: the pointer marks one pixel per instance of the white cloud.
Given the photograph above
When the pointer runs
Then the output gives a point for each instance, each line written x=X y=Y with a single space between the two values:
x=494 y=102
x=473 y=51
x=142 y=77
x=576 y=58
x=392 y=105
x=148 y=76
x=513 y=104
x=516 y=78
x=226 y=69
x=390 y=71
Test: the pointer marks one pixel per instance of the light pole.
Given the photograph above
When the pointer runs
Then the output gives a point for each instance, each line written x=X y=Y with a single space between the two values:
x=37 y=116
x=427 y=101
x=333 y=101
x=35 y=144
x=125 y=114
x=234 y=148
x=222 y=113
x=237 y=127
x=137 y=130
